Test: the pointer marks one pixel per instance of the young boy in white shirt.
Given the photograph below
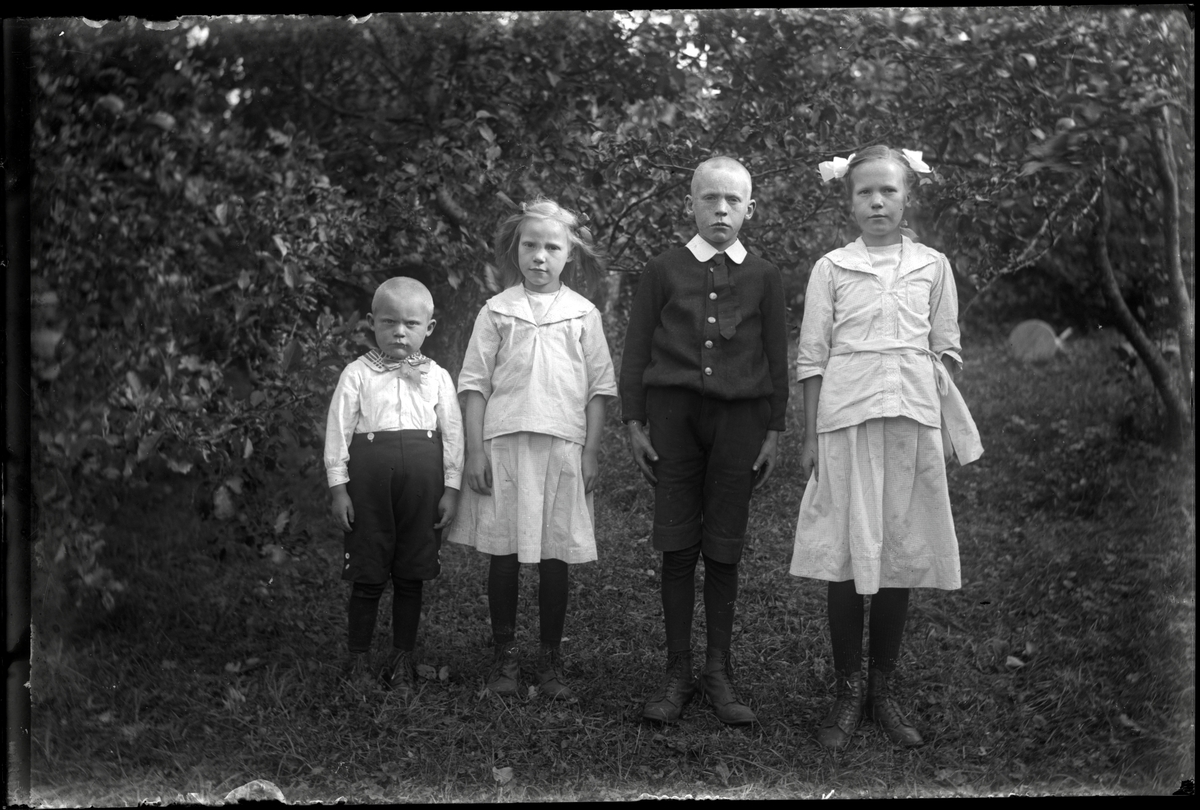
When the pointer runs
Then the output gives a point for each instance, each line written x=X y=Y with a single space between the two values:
x=393 y=459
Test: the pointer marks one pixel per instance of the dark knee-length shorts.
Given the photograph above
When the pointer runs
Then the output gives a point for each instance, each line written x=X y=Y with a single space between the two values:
x=706 y=450
x=395 y=485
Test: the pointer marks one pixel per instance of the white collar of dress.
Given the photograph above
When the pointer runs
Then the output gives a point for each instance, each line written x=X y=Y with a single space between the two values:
x=704 y=252
x=515 y=303
x=855 y=256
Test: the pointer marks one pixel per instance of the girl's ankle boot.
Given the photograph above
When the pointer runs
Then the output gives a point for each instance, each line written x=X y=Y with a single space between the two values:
x=506 y=670
x=550 y=674
x=883 y=709
x=844 y=716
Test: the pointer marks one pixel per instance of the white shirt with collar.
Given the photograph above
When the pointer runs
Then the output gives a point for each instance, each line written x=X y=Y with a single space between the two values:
x=703 y=251
x=538 y=373
x=370 y=400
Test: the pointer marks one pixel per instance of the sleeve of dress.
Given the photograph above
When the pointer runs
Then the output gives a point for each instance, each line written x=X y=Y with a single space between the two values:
x=479 y=363
x=943 y=314
x=816 y=330
x=450 y=424
x=344 y=412
x=601 y=378
x=643 y=318
x=775 y=341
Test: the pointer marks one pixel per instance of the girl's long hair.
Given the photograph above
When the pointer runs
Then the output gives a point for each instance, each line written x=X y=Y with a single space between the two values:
x=585 y=269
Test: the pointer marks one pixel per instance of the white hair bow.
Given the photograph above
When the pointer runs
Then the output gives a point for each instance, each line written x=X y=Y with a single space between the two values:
x=834 y=169
x=914 y=160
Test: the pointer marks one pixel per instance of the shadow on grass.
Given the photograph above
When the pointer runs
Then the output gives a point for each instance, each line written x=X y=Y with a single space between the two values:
x=1064 y=665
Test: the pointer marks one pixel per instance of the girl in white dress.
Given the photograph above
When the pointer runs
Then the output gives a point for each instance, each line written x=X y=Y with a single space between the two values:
x=878 y=346
x=534 y=383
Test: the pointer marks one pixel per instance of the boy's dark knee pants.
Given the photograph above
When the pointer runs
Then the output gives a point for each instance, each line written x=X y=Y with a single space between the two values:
x=395 y=485
x=706 y=450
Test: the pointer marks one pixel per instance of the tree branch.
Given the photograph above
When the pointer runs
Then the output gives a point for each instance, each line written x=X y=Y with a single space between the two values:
x=1149 y=354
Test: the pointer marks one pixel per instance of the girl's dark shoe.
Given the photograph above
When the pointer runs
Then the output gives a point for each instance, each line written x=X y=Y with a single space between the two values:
x=550 y=675
x=505 y=672
x=716 y=683
x=400 y=674
x=675 y=691
x=356 y=669
x=839 y=725
x=883 y=709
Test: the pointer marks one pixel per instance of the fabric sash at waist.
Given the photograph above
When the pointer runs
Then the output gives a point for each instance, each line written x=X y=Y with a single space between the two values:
x=958 y=427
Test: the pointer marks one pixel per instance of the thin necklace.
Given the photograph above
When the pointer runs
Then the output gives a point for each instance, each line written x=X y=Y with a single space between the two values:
x=536 y=320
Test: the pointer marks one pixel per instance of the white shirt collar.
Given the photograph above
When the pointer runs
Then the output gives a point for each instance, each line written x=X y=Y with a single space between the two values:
x=703 y=251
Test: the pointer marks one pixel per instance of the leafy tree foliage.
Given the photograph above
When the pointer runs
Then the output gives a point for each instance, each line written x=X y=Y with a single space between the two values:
x=217 y=199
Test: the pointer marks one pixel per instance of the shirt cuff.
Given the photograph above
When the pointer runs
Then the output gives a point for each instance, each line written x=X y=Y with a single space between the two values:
x=337 y=475
x=454 y=481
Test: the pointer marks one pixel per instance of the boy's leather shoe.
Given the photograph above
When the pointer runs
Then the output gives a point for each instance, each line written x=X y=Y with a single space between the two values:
x=882 y=708
x=400 y=674
x=716 y=682
x=675 y=691
x=846 y=713
x=505 y=672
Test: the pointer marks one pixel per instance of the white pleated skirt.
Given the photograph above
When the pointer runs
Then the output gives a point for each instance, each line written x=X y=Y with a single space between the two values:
x=879 y=510
x=538 y=508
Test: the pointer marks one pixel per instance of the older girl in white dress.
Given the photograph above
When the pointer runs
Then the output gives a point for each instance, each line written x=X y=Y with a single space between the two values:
x=882 y=417
x=535 y=381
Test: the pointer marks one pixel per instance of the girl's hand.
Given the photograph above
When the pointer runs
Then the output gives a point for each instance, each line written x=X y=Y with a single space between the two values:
x=808 y=458
x=591 y=469
x=342 y=508
x=447 y=508
x=478 y=472
x=642 y=450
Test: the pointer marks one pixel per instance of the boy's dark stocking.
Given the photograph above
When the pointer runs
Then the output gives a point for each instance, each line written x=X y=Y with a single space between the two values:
x=503 y=581
x=406 y=613
x=363 y=610
x=846 y=626
x=552 y=600
x=889 y=610
x=679 y=596
x=720 y=595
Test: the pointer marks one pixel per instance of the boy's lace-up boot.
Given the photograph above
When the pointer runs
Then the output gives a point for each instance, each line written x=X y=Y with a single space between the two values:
x=400 y=674
x=550 y=674
x=675 y=691
x=839 y=725
x=716 y=682
x=883 y=709
x=505 y=672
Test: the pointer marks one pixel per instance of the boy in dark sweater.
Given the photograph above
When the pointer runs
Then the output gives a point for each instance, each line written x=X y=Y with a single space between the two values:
x=704 y=391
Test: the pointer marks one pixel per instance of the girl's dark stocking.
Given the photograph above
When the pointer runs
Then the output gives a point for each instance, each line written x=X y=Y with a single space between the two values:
x=889 y=610
x=503 y=580
x=552 y=600
x=846 y=626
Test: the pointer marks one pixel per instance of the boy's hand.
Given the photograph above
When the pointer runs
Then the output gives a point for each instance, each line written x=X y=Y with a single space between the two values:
x=478 y=472
x=591 y=469
x=447 y=508
x=642 y=450
x=764 y=465
x=808 y=459
x=342 y=509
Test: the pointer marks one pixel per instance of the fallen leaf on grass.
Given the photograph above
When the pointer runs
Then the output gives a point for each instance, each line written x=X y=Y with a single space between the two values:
x=443 y=674
x=1014 y=662
x=427 y=672
x=502 y=775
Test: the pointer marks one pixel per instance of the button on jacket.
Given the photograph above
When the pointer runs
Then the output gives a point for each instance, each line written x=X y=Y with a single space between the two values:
x=720 y=331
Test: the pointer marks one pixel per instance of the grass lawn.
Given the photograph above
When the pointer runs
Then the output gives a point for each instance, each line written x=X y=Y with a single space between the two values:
x=1065 y=664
